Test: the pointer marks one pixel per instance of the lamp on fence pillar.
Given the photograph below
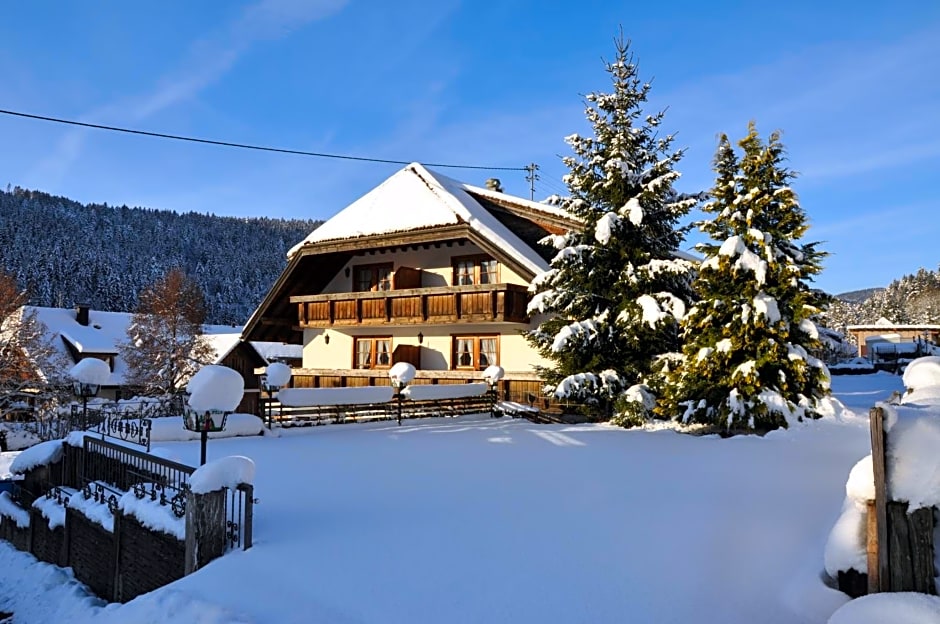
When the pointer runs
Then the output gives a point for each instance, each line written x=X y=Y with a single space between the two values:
x=87 y=378
x=492 y=375
x=400 y=375
x=204 y=421
x=214 y=391
x=276 y=376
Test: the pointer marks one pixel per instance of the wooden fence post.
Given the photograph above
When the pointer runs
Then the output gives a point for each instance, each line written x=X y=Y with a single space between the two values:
x=878 y=574
x=205 y=528
x=901 y=557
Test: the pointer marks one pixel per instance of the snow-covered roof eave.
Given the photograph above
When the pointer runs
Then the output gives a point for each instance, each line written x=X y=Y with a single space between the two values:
x=435 y=201
x=889 y=327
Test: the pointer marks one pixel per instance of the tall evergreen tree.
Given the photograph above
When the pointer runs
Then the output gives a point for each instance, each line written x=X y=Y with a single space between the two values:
x=748 y=363
x=165 y=344
x=616 y=289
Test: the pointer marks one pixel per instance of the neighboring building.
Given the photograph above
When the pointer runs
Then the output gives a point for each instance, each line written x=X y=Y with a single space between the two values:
x=422 y=269
x=81 y=333
x=883 y=336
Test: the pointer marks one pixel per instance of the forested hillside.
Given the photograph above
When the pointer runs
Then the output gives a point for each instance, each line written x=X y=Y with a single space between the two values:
x=68 y=253
x=912 y=299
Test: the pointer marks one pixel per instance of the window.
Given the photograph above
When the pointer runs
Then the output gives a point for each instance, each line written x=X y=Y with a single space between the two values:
x=373 y=352
x=475 y=270
x=475 y=352
x=373 y=277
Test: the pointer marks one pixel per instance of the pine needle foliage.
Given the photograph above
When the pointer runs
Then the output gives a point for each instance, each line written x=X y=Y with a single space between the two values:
x=748 y=363
x=616 y=289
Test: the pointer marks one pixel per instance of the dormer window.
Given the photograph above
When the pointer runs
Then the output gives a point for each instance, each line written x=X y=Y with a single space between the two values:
x=475 y=270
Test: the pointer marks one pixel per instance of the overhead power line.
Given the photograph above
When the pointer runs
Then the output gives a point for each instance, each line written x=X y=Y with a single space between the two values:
x=260 y=148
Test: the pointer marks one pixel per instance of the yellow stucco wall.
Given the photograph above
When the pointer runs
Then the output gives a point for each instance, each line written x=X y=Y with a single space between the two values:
x=515 y=354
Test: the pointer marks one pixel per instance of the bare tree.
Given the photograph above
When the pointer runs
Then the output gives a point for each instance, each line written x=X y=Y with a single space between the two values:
x=165 y=344
x=30 y=366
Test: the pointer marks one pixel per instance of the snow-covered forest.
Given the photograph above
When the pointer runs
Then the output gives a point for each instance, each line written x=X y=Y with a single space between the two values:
x=910 y=299
x=66 y=252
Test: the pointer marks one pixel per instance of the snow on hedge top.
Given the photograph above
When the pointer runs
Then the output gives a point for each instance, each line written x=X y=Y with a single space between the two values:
x=922 y=373
x=215 y=388
x=278 y=374
x=415 y=198
x=91 y=371
x=493 y=373
x=401 y=373
x=312 y=397
x=444 y=391
x=226 y=472
x=42 y=454
x=153 y=515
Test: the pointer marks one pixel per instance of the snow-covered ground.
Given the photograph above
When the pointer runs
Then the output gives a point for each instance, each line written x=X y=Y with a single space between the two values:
x=497 y=520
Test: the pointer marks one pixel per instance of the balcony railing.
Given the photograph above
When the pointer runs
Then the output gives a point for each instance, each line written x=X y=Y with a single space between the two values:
x=437 y=305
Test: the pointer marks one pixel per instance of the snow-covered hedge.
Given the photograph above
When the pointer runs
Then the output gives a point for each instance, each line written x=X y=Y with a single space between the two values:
x=42 y=454
x=445 y=391
x=315 y=397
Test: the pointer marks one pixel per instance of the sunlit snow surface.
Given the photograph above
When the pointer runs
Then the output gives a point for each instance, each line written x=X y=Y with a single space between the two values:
x=497 y=520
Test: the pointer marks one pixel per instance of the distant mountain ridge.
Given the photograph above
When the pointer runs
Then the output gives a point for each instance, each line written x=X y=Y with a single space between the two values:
x=67 y=252
x=858 y=296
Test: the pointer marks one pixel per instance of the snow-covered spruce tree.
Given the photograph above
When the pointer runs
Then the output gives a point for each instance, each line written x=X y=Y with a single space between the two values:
x=616 y=289
x=747 y=363
x=165 y=344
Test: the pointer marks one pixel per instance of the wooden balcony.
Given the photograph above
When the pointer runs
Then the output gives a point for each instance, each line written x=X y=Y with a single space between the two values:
x=440 y=305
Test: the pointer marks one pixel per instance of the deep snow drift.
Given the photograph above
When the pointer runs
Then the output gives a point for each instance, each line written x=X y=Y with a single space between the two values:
x=476 y=519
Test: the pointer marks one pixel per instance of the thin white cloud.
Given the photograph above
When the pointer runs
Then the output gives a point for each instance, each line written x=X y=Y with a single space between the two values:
x=207 y=61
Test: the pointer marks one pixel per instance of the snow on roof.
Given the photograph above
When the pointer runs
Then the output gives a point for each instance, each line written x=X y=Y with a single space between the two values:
x=416 y=198
x=105 y=330
x=222 y=343
x=882 y=324
x=272 y=351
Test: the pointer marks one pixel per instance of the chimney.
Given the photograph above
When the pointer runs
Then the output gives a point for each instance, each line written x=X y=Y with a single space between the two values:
x=81 y=313
x=494 y=184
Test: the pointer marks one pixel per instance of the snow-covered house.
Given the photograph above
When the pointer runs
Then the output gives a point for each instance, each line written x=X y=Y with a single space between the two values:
x=422 y=269
x=884 y=336
x=81 y=333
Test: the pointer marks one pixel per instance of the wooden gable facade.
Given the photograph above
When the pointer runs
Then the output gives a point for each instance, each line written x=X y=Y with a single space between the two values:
x=447 y=298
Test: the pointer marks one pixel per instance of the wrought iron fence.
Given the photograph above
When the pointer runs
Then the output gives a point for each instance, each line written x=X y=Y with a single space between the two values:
x=239 y=514
x=128 y=469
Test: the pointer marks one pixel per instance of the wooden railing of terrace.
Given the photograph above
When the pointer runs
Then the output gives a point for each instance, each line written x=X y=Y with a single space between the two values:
x=445 y=304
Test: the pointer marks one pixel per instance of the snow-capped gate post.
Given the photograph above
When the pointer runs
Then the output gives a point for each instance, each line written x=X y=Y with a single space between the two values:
x=211 y=523
x=900 y=541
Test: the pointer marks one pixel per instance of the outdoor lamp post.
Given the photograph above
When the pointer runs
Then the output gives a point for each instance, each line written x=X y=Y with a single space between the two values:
x=204 y=421
x=87 y=378
x=400 y=375
x=276 y=376
x=85 y=391
x=214 y=391
x=492 y=375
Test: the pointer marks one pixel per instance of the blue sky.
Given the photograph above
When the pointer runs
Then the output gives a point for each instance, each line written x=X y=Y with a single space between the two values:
x=854 y=86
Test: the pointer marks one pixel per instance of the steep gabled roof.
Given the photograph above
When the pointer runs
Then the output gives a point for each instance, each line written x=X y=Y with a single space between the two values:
x=415 y=198
x=414 y=206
